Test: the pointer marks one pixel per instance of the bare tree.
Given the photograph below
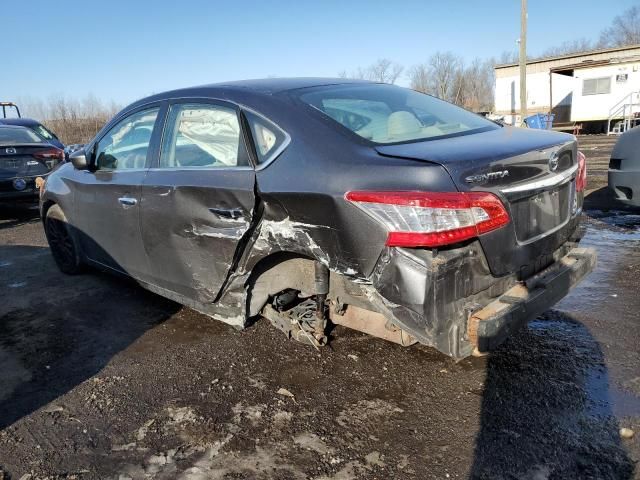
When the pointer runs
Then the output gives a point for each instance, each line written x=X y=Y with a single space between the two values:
x=625 y=29
x=479 y=84
x=508 y=56
x=383 y=70
x=419 y=78
x=72 y=120
x=566 y=48
x=444 y=75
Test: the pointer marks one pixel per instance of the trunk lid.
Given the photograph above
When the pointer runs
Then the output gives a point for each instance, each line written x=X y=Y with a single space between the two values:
x=18 y=161
x=532 y=171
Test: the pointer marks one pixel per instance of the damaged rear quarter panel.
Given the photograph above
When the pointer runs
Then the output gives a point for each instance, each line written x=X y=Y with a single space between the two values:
x=305 y=188
x=302 y=209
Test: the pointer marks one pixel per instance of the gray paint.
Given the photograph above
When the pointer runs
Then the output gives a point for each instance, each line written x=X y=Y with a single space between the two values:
x=175 y=241
x=624 y=179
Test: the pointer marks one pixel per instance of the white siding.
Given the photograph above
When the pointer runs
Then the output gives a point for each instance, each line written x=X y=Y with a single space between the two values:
x=567 y=91
x=597 y=107
x=507 y=93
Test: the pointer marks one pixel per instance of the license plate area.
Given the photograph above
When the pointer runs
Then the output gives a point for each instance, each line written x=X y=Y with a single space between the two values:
x=542 y=213
x=10 y=163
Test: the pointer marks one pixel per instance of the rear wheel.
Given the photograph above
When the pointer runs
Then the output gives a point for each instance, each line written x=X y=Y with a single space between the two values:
x=63 y=246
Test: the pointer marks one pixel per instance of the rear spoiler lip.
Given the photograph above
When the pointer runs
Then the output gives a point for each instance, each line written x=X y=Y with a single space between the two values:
x=14 y=145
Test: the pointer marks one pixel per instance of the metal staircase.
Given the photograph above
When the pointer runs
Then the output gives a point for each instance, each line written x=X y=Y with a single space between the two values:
x=624 y=114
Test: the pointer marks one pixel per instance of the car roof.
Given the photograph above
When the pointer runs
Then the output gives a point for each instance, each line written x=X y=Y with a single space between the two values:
x=262 y=86
x=22 y=122
x=277 y=85
x=14 y=127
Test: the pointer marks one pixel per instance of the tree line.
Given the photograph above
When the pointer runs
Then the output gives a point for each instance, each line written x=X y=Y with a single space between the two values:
x=445 y=74
x=72 y=120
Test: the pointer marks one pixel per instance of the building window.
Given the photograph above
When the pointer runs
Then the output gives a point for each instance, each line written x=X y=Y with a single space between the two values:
x=596 y=86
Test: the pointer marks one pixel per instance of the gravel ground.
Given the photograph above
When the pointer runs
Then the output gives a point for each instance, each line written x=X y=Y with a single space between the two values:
x=101 y=379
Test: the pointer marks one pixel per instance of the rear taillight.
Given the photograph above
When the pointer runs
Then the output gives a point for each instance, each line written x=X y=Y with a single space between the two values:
x=581 y=179
x=50 y=154
x=431 y=219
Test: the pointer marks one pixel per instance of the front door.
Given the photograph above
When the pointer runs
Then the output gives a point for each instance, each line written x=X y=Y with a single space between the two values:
x=197 y=201
x=109 y=221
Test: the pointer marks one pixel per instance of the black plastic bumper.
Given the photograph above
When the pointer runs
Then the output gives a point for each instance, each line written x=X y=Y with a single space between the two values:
x=8 y=192
x=491 y=325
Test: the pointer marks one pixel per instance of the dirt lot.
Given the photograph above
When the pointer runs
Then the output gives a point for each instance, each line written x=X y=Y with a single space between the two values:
x=101 y=379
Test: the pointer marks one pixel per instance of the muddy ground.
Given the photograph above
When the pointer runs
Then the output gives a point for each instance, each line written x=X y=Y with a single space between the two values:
x=101 y=379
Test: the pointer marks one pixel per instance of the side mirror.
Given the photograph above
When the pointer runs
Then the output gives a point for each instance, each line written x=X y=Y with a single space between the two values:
x=79 y=159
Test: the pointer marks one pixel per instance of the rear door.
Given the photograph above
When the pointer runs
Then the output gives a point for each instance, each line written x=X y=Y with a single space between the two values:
x=198 y=199
x=108 y=197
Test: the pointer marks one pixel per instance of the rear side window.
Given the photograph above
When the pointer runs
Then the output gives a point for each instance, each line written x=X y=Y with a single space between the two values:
x=43 y=132
x=388 y=114
x=268 y=138
x=203 y=136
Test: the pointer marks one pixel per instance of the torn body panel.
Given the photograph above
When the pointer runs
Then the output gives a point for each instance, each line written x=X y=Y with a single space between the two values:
x=192 y=225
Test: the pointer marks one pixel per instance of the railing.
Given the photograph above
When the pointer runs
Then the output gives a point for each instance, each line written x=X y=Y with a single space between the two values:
x=623 y=110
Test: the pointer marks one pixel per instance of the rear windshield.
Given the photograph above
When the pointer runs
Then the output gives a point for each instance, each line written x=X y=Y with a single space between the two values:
x=14 y=136
x=389 y=114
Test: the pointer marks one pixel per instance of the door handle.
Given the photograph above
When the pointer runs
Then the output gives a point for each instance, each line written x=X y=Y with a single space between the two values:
x=127 y=202
x=232 y=213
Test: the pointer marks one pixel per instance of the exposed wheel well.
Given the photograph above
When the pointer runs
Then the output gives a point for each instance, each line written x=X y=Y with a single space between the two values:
x=276 y=273
x=45 y=208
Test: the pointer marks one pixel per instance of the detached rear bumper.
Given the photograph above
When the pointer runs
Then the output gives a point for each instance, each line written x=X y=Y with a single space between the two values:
x=491 y=325
x=452 y=302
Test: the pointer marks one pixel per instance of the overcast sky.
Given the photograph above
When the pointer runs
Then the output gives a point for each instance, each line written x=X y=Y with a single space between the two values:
x=124 y=49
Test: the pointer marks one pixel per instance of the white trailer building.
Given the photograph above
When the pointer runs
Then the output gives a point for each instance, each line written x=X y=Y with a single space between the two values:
x=595 y=92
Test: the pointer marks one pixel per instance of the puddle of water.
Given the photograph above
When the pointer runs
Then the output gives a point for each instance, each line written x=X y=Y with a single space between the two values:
x=616 y=238
x=4 y=263
x=616 y=218
x=17 y=284
x=604 y=400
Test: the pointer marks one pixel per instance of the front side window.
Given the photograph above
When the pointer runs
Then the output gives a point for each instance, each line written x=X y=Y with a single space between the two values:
x=203 y=136
x=596 y=86
x=390 y=114
x=125 y=146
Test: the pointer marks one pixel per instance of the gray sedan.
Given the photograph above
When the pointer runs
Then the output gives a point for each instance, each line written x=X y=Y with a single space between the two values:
x=319 y=201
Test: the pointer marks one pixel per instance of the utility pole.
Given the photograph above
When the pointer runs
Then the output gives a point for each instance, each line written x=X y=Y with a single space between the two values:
x=523 y=62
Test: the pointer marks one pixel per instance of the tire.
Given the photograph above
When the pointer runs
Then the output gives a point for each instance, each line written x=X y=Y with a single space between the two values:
x=63 y=246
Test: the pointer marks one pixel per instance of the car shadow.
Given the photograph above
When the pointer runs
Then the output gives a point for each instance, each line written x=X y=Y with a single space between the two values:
x=15 y=215
x=546 y=408
x=603 y=199
x=57 y=331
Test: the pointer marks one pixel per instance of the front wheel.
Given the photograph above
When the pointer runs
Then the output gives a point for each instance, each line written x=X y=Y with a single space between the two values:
x=63 y=246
